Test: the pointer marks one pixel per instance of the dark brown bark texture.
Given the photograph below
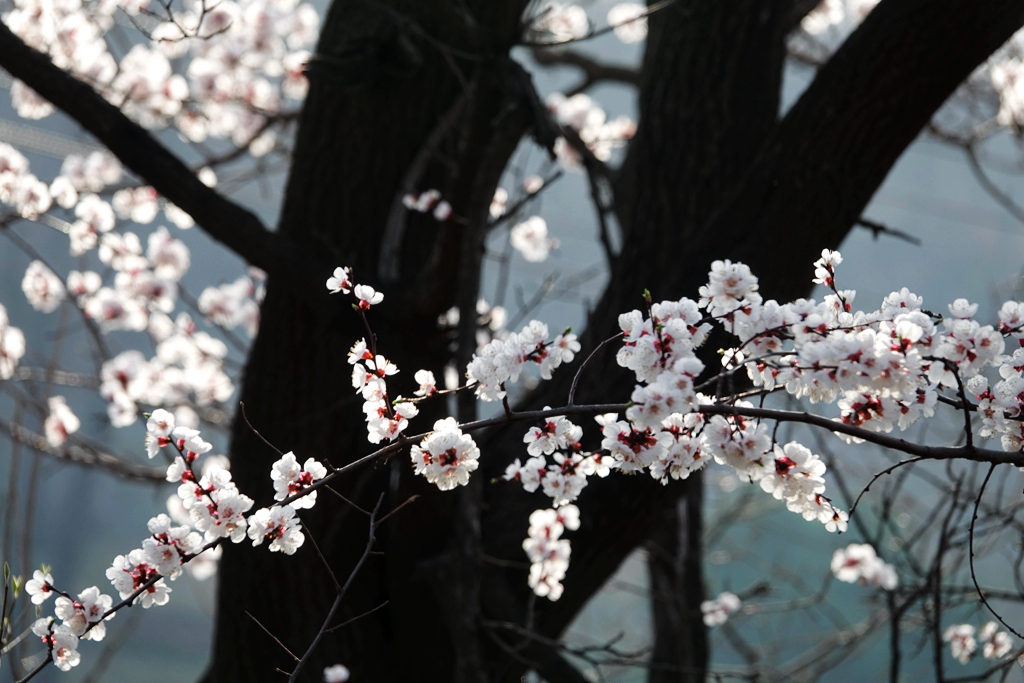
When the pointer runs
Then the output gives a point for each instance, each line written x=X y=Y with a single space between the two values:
x=713 y=173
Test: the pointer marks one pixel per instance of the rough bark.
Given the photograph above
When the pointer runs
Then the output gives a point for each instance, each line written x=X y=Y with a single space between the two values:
x=378 y=89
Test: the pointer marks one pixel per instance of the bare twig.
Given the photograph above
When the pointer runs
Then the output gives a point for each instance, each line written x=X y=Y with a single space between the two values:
x=974 y=577
x=275 y=638
x=576 y=378
x=341 y=594
x=877 y=229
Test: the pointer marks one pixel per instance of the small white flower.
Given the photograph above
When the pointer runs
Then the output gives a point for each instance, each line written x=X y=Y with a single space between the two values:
x=530 y=238
x=336 y=674
x=42 y=288
x=340 y=282
x=64 y=648
x=859 y=563
x=60 y=422
x=39 y=587
x=428 y=385
x=88 y=609
x=367 y=296
x=996 y=644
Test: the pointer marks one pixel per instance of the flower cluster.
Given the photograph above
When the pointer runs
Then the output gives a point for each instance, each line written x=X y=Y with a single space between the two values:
x=207 y=510
x=591 y=124
x=188 y=366
x=858 y=563
x=235 y=304
x=503 y=360
x=716 y=612
x=29 y=196
x=963 y=644
x=883 y=368
x=446 y=456
x=289 y=479
x=244 y=56
x=565 y=478
x=548 y=551
x=530 y=238
x=61 y=643
x=385 y=419
x=428 y=201
x=665 y=432
x=81 y=618
x=629 y=20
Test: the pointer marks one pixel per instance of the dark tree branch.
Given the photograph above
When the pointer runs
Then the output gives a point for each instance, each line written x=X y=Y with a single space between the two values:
x=593 y=71
x=836 y=145
x=235 y=227
x=877 y=229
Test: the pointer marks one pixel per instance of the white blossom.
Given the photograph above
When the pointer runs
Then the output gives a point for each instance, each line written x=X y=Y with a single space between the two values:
x=716 y=612
x=60 y=422
x=42 y=287
x=446 y=456
x=280 y=526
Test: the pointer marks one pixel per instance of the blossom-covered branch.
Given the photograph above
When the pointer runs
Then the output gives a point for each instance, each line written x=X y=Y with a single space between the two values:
x=229 y=223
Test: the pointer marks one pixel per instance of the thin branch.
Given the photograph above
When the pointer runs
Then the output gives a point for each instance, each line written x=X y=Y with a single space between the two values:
x=576 y=378
x=1002 y=198
x=970 y=556
x=879 y=475
x=593 y=71
x=327 y=565
x=358 y=617
x=341 y=594
x=877 y=229
x=411 y=499
x=973 y=453
x=241 y=406
x=394 y=226
x=275 y=638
